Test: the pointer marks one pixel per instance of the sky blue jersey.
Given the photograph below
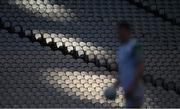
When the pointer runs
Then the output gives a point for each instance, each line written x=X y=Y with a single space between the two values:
x=129 y=54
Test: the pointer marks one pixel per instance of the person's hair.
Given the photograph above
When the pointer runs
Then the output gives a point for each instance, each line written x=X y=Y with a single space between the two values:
x=124 y=24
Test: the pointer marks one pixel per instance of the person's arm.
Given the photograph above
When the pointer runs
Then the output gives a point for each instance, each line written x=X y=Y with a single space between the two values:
x=116 y=84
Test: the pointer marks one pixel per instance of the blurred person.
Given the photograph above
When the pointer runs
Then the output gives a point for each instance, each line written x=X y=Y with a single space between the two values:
x=130 y=66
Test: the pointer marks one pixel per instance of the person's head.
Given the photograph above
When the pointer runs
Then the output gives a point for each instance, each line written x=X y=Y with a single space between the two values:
x=124 y=31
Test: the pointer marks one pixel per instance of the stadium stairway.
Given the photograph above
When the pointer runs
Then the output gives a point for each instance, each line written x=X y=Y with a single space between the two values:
x=168 y=10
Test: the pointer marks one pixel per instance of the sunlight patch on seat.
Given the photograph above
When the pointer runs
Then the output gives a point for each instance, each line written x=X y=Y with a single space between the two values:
x=84 y=85
x=54 y=12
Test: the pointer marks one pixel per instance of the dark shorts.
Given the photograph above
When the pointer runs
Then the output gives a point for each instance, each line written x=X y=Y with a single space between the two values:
x=133 y=101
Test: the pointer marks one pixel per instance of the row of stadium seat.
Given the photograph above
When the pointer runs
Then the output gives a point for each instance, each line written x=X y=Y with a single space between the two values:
x=35 y=76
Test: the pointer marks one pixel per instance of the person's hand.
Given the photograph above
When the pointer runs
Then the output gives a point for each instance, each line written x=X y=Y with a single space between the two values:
x=116 y=84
